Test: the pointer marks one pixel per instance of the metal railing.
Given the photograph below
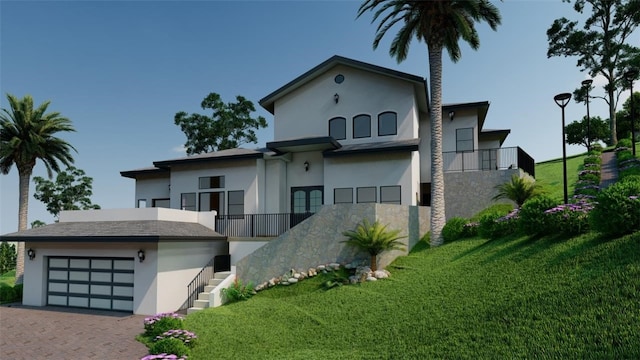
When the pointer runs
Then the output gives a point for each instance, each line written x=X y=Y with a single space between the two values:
x=258 y=225
x=196 y=286
x=489 y=159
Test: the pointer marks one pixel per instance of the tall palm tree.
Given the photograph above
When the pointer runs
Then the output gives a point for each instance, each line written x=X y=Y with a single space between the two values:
x=27 y=135
x=440 y=24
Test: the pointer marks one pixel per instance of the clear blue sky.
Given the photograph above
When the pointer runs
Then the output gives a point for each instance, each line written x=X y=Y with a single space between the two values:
x=120 y=70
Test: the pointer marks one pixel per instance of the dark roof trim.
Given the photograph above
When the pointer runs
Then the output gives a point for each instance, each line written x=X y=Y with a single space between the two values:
x=482 y=106
x=268 y=101
x=209 y=159
x=132 y=174
x=396 y=146
x=109 y=239
x=326 y=142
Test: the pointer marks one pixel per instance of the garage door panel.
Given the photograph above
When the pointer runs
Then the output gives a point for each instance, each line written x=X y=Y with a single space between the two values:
x=100 y=283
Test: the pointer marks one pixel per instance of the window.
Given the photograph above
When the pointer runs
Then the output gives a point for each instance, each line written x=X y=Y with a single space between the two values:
x=339 y=79
x=464 y=139
x=212 y=201
x=211 y=182
x=366 y=194
x=142 y=203
x=163 y=203
x=390 y=194
x=236 y=202
x=343 y=196
x=362 y=126
x=387 y=123
x=489 y=159
x=188 y=201
x=338 y=128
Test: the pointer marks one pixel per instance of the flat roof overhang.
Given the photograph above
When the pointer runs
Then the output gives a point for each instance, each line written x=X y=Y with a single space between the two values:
x=377 y=147
x=319 y=143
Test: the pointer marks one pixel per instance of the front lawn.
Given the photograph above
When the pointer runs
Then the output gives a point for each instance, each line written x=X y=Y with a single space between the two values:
x=8 y=278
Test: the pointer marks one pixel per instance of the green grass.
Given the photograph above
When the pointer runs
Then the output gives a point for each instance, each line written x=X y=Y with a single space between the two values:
x=8 y=278
x=550 y=174
x=473 y=299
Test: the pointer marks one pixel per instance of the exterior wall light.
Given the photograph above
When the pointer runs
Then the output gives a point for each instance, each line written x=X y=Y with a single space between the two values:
x=336 y=97
x=141 y=255
x=306 y=166
x=452 y=114
x=31 y=253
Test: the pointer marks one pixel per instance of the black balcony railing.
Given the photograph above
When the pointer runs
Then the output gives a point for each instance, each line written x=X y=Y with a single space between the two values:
x=489 y=159
x=258 y=225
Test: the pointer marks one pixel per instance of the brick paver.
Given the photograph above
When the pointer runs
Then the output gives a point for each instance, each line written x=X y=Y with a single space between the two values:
x=57 y=333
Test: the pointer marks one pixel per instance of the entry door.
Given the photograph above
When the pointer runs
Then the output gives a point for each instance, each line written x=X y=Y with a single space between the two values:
x=305 y=201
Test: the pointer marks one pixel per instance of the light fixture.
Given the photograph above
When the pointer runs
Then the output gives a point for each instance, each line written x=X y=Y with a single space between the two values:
x=336 y=97
x=562 y=100
x=452 y=114
x=306 y=166
x=587 y=85
x=630 y=75
x=141 y=255
x=31 y=253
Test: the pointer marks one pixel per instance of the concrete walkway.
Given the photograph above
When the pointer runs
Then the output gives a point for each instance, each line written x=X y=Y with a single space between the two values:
x=57 y=333
x=608 y=169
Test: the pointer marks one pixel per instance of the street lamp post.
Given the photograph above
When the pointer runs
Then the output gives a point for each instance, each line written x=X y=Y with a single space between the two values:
x=562 y=100
x=587 y=84
x=631 y=75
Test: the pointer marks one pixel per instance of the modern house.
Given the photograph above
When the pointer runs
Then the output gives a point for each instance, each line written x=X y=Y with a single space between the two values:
x=351 y=141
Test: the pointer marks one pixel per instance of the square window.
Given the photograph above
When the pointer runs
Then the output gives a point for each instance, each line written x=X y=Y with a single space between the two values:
x=211 y=182
x=390 y=195
x=343 y=196
x=188 y=201
x=366 y=195
x=464 y=140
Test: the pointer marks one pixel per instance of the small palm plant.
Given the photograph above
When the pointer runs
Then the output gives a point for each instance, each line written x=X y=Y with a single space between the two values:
x=374 y=239
x=518 y=190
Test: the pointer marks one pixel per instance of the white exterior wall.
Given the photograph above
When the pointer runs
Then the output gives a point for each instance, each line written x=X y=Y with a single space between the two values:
x=463 y=119
x=373 y=170
x=238 y=175
x=492 y=144
x=306 y=111
x=275 y=194
x=151 y=188
x=240 y=249
x=144 y=289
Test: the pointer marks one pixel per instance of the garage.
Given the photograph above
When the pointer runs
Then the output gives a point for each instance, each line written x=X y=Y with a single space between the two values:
x=90 y=282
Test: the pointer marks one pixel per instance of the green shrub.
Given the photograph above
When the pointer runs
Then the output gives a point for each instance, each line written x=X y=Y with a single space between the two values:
x=238 y=291
x=374 y=239
x=617 y=211
x=492 y=225
x=596 y=148
x=158 y=324
x=7 y=293
x=454 y=229
x=570 y=219
x=500 y=208
x=18 y=290
x=624 y=143
x=169 y=346
x=592 y=159
x=533 y=219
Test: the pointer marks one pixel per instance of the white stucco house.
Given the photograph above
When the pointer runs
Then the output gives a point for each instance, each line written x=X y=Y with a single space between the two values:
x=349 y=138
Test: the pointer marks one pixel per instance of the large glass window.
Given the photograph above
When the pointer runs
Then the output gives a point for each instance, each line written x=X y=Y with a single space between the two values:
x=489 y=159
x=390 y=194
x=362 y=126
x=366 y=194
x=464 y=140
x=163 y=203
x=338 y=128
x=343 y=196
x=212 y=201
x=236 y=202
x=188 y=201
x=211 y=182
x=387 y=123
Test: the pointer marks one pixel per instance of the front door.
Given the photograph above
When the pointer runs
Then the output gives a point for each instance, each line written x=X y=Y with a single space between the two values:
x=305 y=201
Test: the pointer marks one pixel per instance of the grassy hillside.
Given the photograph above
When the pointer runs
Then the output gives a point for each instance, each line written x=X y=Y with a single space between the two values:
x=510 y=298
x=550 y=174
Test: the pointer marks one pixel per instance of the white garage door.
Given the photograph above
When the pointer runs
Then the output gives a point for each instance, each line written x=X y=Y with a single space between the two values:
x=96 y=282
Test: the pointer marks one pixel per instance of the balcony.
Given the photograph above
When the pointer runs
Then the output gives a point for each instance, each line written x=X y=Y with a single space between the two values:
x=489 y=159
x=258 y=225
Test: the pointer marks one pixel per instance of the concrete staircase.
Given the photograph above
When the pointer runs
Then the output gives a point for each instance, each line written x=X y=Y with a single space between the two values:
x=212 y=294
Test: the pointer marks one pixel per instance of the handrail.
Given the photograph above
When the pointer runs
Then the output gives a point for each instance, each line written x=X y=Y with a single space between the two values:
x=196 y=286
x=258 y=225
x=488 y=159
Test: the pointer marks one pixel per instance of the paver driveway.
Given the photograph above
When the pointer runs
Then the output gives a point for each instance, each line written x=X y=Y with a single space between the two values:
x=67 y=334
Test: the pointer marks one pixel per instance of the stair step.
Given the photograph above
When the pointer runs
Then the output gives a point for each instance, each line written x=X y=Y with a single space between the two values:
x=202 y=304
x=221 y=274
x=203 y=296
x=209 y=288
x=215 y=282
x=191 y=310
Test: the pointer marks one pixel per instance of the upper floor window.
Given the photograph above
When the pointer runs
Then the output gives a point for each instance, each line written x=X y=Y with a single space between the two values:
x=338 y=128
x=188 y=201
x=387 y=123
x=464 y=139
x=390 y=194
x=361 y=126
x=366 y=194
x=211 y=182
x=236 y=202
x=343 y=196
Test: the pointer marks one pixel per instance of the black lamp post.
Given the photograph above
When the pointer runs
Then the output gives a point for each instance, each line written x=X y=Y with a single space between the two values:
x=631 y=75
x=587 y=84
x=562 y=100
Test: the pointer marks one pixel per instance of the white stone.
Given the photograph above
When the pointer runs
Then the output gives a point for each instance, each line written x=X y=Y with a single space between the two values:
x=297 y=275
x=284 y=283
x=321 y=267
x=292 y=280
x=335 y=266
x=371 y=278
x=381 y=274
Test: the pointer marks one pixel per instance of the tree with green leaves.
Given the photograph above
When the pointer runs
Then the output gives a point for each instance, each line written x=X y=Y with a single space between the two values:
x=441 y=25
x=72 y=190
x=576 y=131
x=374 y=239
x=7 y=257
x=37 y=224
x=624 y=117
x=229 y=126
x=518 y=189
x=28 y=134
x=602 y=46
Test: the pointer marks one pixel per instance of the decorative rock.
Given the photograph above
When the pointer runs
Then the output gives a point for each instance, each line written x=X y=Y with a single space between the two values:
x=334 y=266
x=321 y=267
x=297 y=276
x=349 y=266
x=303 y=275
x=381 y=274
x=371 y=278
x=292 y=280
x=272 y=282
x=284 y=283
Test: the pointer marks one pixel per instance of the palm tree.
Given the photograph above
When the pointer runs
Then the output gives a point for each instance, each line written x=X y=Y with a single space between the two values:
x=518 y=189
x=440 y=24
x=27 y=135
x=374 y=239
